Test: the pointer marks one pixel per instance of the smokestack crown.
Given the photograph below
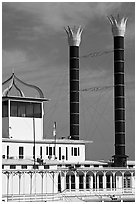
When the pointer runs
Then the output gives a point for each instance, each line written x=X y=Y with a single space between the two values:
x=74 y=35
x=118 y=25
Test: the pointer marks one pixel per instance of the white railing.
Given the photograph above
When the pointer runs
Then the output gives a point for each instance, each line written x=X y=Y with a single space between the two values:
x=67 y=194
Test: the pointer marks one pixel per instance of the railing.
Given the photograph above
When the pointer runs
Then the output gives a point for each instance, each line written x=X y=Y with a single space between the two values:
x=80 y=194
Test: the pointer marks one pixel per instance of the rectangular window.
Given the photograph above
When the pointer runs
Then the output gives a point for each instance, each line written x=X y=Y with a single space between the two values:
x=29 y=110
x=25 y=109
x=75 y=151
x=80 y=181
x=46 y=150
x=78 y=151
x=53 y=150
x=21 y=109
x=72 y=151
x=37 y=110
x=21 y=152
x=66 y=153
x=13 y=108
x=12 y=166
x=5 y=109
x=67 y=181
x=87 y=165
x=2 y=166
x=41 y=152
x=33 y=152
x=46 y=166
x=50 y=151
x=59 y=153
x=24 y=166
x=7 y=152
x=35 y=167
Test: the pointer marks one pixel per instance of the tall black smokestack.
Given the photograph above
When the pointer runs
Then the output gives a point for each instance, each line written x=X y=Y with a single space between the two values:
x=118 y=31
x=74 y=39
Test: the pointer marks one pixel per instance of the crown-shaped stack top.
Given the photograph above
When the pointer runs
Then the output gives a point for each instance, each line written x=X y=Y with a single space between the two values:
x=118 y=25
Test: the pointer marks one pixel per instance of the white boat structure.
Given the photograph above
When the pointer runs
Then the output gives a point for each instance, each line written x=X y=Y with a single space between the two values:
x=36 y=169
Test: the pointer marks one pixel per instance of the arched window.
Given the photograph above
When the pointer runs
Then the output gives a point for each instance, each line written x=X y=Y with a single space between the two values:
x=59 y=183
x=127 y=179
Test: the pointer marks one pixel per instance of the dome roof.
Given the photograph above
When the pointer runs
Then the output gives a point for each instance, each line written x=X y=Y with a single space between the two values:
x=12 y=80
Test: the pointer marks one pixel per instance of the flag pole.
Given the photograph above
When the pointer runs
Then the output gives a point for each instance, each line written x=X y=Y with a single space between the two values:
x=54 y=134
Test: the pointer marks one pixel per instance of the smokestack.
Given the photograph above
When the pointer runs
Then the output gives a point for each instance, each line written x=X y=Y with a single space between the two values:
x=74 y=39
x=118 y=31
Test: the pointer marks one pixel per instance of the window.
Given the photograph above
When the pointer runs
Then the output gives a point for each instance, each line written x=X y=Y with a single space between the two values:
x=35 y=167
x=81 y=182
x=33 y=152
x=46 y=150
x=25 y=109
x=66 y=153
x=53 y=150
x=67 y=181
x=41 y=152
x=2 y=166
x=59 y=153
x=37 y=110
x=46 y=166
x=75 y=151
x=72 y=181
x=5 y=109
x=12 y=166
x=78 y=151
x=50 y=151
x=7 y=152
x=24 y=166
x=87 y=165
x=29 y=110
x=21 y=109
x=72 y=151
x=21 y=152
x=13 y=108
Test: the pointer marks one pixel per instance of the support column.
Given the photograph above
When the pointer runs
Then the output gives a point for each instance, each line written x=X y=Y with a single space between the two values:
x=63 y=181
x=42 y=183
x=91 y=182
x=74 y=39
x=23 y=182
x=104 y=181
x=77 y=181
x=132 y=181
x=30 y=183
x=114 y=181
x=7 y=186
x=98 y=182
x=19 y=182
x=84 y=181
x=118 y=31
x=111 y=180
x=122 y=181
x=95 y=180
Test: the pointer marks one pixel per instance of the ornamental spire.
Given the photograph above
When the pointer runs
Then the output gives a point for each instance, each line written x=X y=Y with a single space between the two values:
x=74 y=35
x=118 y=25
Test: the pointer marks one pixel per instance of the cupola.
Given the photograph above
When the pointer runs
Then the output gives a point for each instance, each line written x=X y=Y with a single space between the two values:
x=22 y=116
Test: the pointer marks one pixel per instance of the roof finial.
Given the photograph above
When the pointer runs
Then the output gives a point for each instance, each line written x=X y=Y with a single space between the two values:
x=12 y=70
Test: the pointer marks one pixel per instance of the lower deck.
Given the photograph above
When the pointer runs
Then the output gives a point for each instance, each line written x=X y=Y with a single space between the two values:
x=59 y=183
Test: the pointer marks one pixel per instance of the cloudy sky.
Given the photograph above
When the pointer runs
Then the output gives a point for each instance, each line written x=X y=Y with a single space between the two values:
x=35 y=46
